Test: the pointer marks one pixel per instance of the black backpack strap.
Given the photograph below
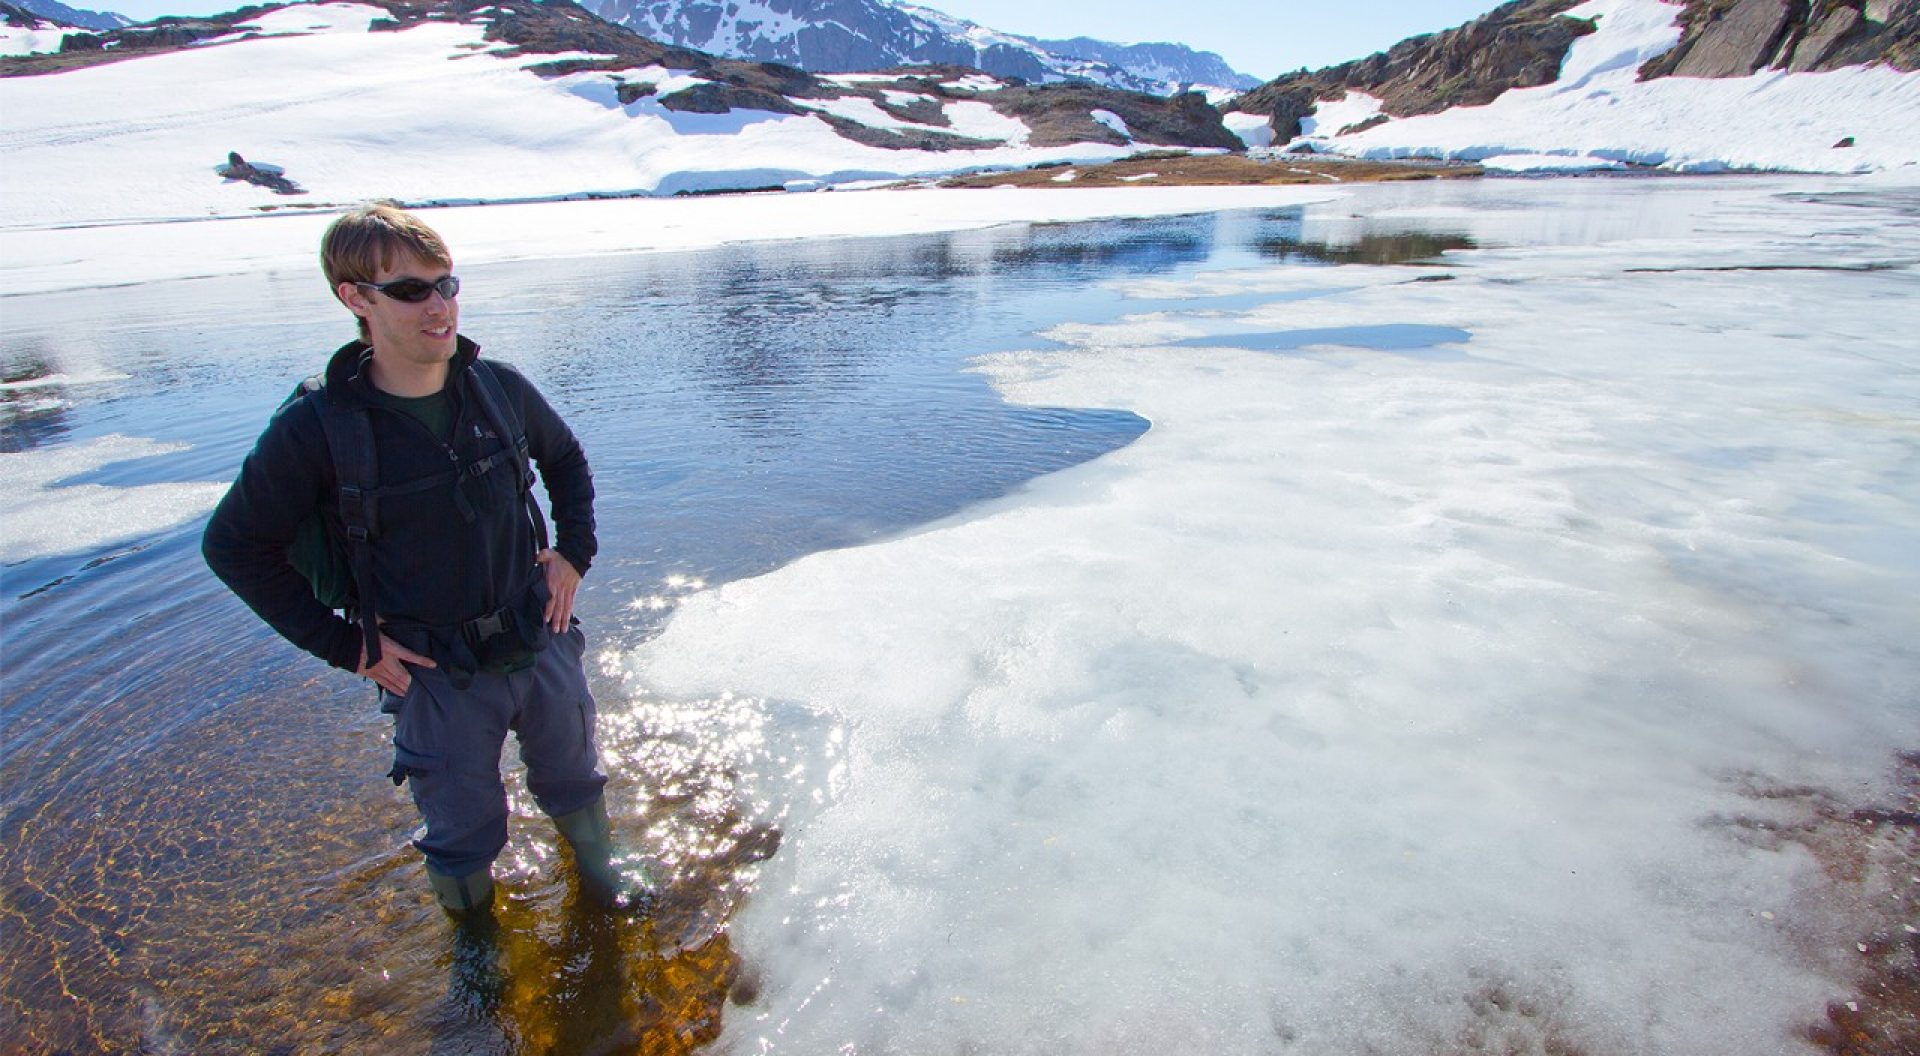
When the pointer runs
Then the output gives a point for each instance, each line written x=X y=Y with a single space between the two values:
x=498 y=412
x=356 y=476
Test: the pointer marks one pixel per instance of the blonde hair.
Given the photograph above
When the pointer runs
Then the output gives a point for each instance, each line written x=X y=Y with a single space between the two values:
x=359 y=244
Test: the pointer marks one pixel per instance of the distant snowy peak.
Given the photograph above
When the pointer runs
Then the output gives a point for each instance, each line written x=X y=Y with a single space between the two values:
x=1172 y=63
x=845 y=36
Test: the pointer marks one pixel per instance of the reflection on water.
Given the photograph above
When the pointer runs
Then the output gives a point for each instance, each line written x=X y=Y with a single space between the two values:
x=1289 y=237
x=32 y=403
x=199 y=850
x=1403 y=247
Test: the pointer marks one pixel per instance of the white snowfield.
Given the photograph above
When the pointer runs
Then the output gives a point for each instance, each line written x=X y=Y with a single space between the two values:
x=1597 y=115
x=1451 y=676
x=423 y=114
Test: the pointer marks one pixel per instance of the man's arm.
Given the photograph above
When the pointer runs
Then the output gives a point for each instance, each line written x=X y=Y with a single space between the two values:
x=281 y=484
x=563 y=466
x=569 y=480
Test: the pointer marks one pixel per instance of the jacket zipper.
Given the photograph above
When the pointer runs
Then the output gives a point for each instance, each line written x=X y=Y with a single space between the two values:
x=453 y=459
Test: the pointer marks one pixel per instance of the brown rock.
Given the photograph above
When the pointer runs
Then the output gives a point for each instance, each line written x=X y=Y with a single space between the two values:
x=1059 y=114
x=713 y=98
x=1823 y=39
x=1516 y=45
x=1730 y=38
x=1738 y=41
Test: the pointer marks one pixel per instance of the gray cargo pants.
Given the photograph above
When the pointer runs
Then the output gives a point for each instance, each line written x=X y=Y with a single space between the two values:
x=447 y=744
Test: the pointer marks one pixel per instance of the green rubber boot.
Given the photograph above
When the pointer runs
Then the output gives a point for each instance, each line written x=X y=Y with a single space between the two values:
x=462 y=895
x=609 y=874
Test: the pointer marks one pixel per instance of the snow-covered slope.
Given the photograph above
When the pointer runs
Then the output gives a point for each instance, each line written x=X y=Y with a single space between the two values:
x=840 y=36
x=439 y=111
x=1601 y=113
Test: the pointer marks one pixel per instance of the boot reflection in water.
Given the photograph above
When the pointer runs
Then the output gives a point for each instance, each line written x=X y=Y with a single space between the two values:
x=477 y=981
x=612 y=875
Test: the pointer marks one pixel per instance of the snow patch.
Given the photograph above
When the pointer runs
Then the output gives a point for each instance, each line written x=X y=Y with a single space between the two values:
x=42 y=40
x=1330 y=116
x=42 y=518
x=1254 y=130
x=1543 y=163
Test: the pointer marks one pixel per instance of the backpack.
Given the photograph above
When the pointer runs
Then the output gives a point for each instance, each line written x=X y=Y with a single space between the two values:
x=339 y=568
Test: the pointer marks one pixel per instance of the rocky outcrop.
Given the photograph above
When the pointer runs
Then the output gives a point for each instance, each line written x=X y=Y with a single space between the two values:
x=1065 y=113
x=272 y=177
x=1735 y=38
x=1738 y=43
x=904 y=138
x=165 y=34
x=711 y=98
x=1523 y=44
x=1516 y=45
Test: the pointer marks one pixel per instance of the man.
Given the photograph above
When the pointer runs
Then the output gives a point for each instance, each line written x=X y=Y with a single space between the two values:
x=406 y=455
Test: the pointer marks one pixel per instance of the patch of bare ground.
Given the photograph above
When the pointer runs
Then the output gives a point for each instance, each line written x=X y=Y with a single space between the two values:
x=1879 y=850
x=1214 y=170
x=1869 y=858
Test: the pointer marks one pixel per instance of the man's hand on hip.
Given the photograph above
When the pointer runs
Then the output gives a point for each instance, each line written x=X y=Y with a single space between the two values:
x=391 y=672
x=563 y=582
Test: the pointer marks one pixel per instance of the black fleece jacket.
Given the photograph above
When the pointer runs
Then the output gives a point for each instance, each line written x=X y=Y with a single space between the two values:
x=430 y=564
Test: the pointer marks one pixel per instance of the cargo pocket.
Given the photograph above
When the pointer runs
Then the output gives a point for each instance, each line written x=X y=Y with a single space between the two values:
x=414 y=751
x=576 y=640
x=407 y=763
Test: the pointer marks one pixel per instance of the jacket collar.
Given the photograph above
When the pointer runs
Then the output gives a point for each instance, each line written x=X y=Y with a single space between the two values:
x=347 y=369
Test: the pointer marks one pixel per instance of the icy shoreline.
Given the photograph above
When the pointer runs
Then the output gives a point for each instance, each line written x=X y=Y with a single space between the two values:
x=47 y=259
x=1379 y=696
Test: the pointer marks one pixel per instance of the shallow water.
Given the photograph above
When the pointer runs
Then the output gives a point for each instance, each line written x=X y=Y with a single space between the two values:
x=200 y=851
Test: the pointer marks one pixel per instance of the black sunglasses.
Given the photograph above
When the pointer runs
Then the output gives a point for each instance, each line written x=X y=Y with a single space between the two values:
x=413 y=291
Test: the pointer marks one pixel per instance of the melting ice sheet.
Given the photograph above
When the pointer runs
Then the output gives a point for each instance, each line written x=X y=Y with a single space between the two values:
x=1374 y=702
x=43 y=517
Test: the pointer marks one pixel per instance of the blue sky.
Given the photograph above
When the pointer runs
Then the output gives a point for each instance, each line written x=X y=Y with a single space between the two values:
x=1261 y=37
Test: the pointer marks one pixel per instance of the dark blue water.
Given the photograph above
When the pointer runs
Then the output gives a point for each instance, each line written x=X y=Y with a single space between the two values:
x=193 y=820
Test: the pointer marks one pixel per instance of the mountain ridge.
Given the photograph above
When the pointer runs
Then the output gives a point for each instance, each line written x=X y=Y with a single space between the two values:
x=846 y=36
x=60 y=14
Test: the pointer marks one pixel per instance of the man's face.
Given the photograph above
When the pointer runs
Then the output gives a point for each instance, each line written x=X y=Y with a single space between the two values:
x=420 y=333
